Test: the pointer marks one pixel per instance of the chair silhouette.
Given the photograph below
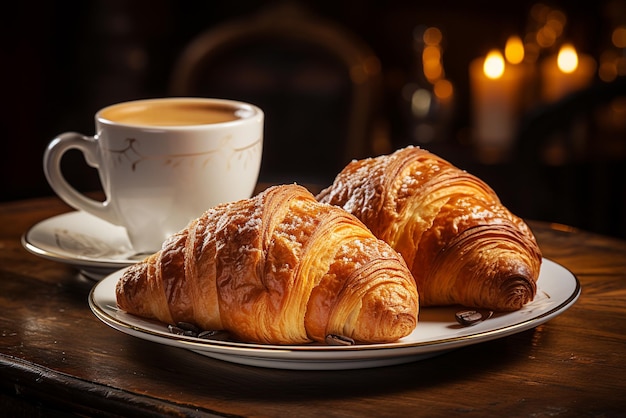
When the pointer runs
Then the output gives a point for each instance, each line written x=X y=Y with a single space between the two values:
x=317 y=83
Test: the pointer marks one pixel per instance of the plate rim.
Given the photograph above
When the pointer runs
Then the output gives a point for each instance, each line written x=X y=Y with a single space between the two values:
x=320 y=353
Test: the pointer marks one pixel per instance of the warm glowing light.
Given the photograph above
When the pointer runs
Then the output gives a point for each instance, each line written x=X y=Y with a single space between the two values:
x=431 y=53
x=431 y=60
x=568 y=72
x=432 y=36
x=618 y=37
x=607 y=70
x=556 y=20
x=421 y=102
x=548 y=25
x=494 y=65
x=546 y=37
x=433 y=72
x=443 y=89
x=567 y=59
x=539 y=12
x=514 y=50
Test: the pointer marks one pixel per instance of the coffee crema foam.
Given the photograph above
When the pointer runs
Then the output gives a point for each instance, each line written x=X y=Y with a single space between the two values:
x=172 y=113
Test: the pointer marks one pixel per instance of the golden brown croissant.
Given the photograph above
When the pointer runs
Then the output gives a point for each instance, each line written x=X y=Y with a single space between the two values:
x=278 y=268
x=461 y=244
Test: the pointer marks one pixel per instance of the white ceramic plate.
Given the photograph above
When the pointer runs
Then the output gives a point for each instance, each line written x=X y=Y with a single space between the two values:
x=96 y=247
x=436 y=332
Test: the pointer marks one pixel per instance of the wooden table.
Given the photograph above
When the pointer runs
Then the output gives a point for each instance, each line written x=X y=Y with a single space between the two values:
x=57 y=357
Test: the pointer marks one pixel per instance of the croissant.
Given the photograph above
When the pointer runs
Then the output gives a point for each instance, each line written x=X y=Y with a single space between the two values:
x=460 y=243
x=279 y=268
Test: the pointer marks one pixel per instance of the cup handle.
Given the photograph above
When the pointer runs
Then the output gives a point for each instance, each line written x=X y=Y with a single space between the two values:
x=52 y=169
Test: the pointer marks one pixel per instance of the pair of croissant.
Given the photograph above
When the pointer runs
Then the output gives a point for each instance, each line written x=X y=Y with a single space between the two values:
x=285 y=267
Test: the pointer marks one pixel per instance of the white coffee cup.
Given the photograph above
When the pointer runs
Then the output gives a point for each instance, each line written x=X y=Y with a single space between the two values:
x=163 y=162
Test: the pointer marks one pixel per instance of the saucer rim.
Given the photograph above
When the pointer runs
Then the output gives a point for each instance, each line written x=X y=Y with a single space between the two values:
x=46 y=251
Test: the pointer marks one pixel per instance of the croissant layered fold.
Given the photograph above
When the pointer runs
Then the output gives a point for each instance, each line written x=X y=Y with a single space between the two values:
x=278 y=268
x=460 y=243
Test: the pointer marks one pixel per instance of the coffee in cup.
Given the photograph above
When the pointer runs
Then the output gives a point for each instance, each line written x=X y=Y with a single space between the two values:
x=163 y=162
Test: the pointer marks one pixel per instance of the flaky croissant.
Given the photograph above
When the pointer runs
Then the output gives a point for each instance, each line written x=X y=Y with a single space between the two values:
x=279 y=268
x=461 y=244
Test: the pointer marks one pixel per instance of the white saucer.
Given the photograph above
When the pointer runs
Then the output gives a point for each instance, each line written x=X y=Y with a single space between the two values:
x=96 y=247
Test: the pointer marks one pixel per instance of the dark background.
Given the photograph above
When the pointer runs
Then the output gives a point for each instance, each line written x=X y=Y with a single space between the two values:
x=63 y=60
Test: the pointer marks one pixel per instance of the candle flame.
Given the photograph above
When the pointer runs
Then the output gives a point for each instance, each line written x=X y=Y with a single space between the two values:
x=567 y=59
x=514 y=50
x=494 y=65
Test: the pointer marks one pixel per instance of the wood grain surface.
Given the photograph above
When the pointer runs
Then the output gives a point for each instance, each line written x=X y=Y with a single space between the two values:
x=57 y=357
